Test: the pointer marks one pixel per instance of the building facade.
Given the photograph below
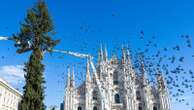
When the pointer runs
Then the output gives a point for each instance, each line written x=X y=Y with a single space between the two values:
x=9 y=97
x=124 y=89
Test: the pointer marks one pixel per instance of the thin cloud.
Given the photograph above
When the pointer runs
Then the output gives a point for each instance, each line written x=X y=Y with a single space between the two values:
x=13 y=74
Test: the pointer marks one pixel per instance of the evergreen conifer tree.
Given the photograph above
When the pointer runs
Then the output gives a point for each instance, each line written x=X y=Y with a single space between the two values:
x=35 y=37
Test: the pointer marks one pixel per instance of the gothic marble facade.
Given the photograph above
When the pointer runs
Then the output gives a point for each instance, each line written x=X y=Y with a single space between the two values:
x=125 y=90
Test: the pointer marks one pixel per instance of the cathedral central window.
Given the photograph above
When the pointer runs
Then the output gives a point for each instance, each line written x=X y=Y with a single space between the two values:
x=95 y=94
x=138 y=95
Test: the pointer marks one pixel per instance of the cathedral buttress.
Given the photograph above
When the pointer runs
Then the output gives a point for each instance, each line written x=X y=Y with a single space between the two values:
x=69 y=92
x=88 y=89
x=146 y=88
x=105 y=55
x=163 y=93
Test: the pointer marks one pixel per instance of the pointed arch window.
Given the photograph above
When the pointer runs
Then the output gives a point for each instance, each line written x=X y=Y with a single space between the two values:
x=115 y=78
x=95 y=95
x=79 y=108
x=117 y=98
x=95 y=108
x=138 y=95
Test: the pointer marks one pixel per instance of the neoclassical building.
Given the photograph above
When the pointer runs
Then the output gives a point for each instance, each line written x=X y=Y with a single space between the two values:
x=9 y=96
x=125 y=89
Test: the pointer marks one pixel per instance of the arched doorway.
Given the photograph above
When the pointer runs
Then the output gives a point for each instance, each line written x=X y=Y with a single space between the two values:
x=155 y=108
x=140 y=107
x=79 y=108
x=117 y=98
x=95 y=108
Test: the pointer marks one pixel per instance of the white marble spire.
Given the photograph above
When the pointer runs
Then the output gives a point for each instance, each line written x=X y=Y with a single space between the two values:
x=123 y=55
x=73 y=78
x=105 y=54
x=88 y=76
x=68 y=77
x=100 y=55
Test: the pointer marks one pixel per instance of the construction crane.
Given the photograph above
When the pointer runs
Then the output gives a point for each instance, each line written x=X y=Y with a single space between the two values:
x=102 y=91
x=75 y=54
x=8 y=38
x=5 y=38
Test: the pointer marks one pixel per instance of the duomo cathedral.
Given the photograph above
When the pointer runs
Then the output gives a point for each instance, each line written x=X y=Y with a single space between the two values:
x=123 y=88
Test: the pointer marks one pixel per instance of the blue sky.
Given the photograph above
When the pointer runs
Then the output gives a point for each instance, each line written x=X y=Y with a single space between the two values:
x=82 y=25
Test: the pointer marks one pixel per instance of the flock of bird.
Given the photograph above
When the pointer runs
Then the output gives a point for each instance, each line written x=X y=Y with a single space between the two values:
x=175 y=65
x=169 y=60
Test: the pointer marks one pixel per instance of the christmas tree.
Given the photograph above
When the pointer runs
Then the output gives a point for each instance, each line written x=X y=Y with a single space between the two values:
x=35 y=37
